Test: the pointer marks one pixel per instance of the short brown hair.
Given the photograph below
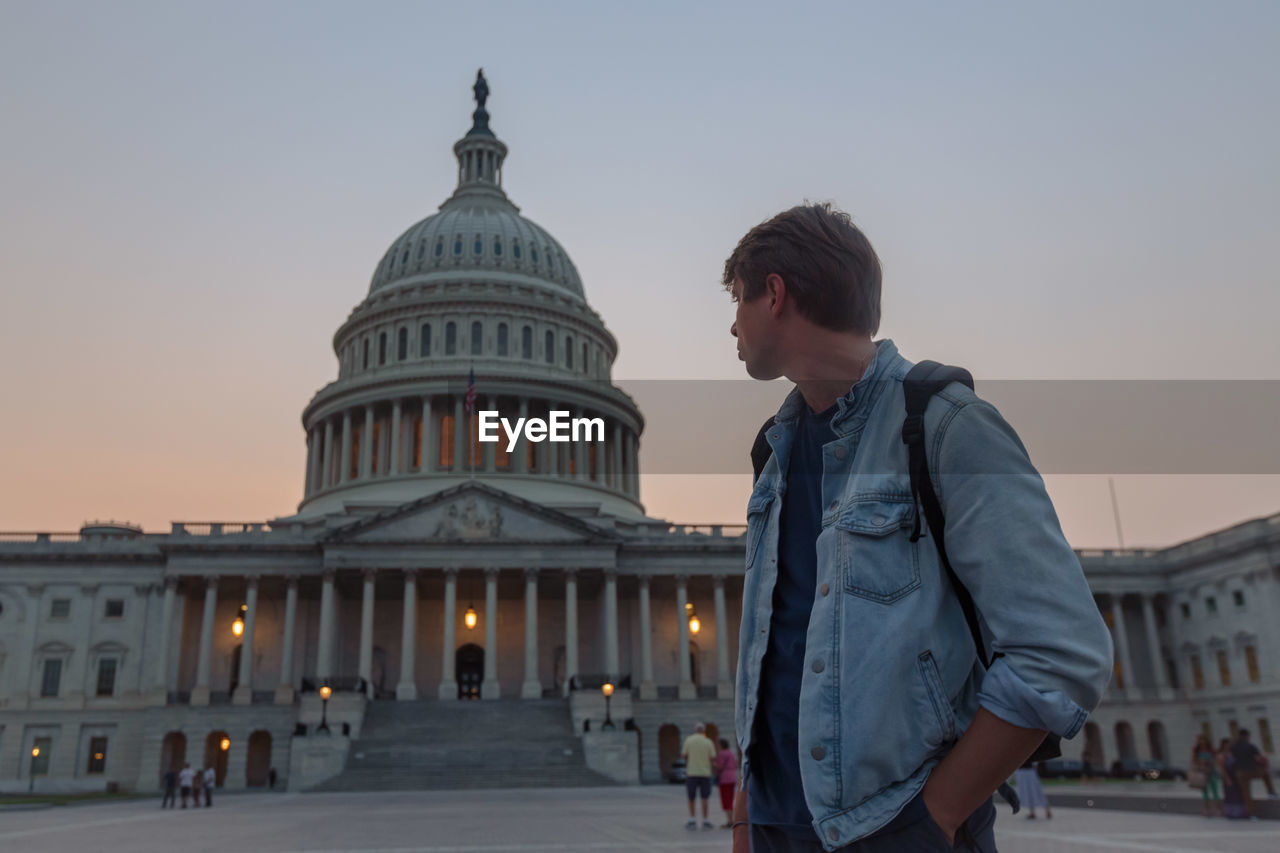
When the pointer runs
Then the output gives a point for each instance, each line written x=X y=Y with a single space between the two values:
x=828 y=265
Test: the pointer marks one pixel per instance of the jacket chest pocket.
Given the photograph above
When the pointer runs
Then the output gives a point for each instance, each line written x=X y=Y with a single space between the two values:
x=757 y=520
x=876 y=555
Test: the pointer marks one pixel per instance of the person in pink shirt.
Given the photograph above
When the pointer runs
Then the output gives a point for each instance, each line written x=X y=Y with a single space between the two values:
x=726 y=767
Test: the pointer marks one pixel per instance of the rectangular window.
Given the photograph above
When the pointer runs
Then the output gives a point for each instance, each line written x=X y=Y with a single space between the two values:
x=42 y=747
x=114 y=608
x=97 y=755
x=107 y=677
x=1251 y=664
x=1237 y=597
x=1264 y=736
x=376 y=447
x=1186 y=610
x=60 y=608
x=446 y=441
x=1211 y=606
x=52 y=679
x=1197 y=672
x=1224 y=668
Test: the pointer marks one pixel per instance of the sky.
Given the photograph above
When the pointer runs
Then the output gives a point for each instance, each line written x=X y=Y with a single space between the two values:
x=193 y=196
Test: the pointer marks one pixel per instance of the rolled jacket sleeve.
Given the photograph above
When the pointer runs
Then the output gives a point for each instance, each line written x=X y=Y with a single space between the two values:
x=1005 y=543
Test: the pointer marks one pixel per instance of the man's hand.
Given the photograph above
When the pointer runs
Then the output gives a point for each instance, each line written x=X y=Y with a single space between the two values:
x=981 y=761
x=741 y=831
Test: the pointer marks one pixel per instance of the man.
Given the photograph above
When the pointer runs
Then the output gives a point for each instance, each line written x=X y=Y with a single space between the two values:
x=698 y=753
x=866 y=720
x=1250 y=764
x=170 y=789
x=210 y=778
x=185 y=778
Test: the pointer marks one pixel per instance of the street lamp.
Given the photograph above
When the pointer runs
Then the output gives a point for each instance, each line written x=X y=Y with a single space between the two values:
x=694 y=623
x=607 y=690
x=35 y=753
x=469 y=618
x=325 y=692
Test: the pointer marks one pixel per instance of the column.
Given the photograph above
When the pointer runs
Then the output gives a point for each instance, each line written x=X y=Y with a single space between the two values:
x=396 y=418
x=317 y=459
x=326 y=479
x=425 y=446
x=309 y=479
x=724 y=687
x=407 y=689
x=520 y=462
x=200 y=693
x=687 y=689
x=648 y=689
x=344 y=457
x=324 y=652
x=532 y=686
x=628 y=464
x=366 y=632
x=244 y=682
x=284 y=692
x=1153 y=643
x=76 y=673
x=611 y=665
x=570 y=628
x=366 y=444
x=141 y=640
x=448 y=688
x=159 y=694
x=27 y=651
x=1122 y=644
x=460 y=436
x=489 y=688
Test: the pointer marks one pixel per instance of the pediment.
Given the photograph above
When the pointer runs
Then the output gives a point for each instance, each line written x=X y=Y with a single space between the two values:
x=471 y=512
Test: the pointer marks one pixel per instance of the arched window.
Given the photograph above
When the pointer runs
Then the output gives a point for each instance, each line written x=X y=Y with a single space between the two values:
x=450 y=338
x=526 y=342
x=382 y=348
x=424 y=341
x=502 y=339
x=364 y=362
x=457 y=245
x=439 y=246
x=515 y=249
x=402 y=345
x=568 y=352
x=497 y=247
x=479 y=246
x=477 y=337
x=551 y=347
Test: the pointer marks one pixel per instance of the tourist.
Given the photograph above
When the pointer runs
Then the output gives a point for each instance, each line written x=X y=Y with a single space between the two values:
x=1233 y=794
x=698 y=753
x=1250 y=764
x=1204 y=760
x=210 y=779
x=1030 y=791
x=170 y=789
x=864 y=715
x=197 y=788
x=186 y=779
x=726 y=770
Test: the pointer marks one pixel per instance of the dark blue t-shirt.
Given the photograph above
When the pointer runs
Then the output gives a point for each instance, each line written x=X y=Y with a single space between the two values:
x=774 y=793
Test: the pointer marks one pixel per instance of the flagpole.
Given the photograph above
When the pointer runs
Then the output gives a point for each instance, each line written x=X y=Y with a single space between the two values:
x=1115 y=509
x=471 y=384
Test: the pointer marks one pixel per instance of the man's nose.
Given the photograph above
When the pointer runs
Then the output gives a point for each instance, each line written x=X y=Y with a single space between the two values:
x=733 y=328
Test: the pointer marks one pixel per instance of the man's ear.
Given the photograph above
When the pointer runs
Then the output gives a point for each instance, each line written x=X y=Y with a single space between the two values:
x=775 y=289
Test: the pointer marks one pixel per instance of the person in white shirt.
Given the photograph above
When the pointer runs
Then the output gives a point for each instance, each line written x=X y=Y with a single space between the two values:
x=185 y=777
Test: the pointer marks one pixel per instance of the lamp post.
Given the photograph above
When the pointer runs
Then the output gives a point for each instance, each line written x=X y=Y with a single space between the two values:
x=325 y=692
x=607 y=690
x=35 y=753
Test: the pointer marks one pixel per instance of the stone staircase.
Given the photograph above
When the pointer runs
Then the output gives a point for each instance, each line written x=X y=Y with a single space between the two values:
x=432 y=745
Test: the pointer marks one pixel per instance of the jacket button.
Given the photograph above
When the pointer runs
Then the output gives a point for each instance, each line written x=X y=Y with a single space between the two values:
x=818 y=753
x=841 y=452
x=833 y=834
x=818 y=666
x=878 y=520
x=824 y=590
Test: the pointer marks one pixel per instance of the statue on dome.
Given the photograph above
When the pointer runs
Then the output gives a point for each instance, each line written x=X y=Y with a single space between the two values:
x=481 y=88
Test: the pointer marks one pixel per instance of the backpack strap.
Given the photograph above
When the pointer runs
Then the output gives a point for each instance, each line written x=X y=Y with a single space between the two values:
x=760 y=450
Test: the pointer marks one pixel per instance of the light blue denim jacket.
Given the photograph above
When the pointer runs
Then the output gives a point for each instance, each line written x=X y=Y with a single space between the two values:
x=891 y=677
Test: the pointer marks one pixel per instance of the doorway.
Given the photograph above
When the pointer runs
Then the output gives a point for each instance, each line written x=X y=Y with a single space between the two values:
x=469 y=666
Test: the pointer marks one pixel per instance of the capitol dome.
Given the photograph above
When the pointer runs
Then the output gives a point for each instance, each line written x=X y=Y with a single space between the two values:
x=472 y=290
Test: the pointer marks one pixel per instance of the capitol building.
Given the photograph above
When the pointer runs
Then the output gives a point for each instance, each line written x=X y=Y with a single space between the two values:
x=436 y=602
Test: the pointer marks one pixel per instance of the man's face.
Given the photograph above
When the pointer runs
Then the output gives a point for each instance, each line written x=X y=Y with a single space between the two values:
x=752 y=327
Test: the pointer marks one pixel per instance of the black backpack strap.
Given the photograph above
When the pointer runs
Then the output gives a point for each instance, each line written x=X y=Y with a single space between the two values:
x=760 y=450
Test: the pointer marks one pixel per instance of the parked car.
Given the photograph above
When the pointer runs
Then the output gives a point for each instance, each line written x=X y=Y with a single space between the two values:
x=1132 y=768
x=676 y=773
x=1060 y=768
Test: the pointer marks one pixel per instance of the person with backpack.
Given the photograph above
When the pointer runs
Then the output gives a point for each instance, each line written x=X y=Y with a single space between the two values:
x=897 y=532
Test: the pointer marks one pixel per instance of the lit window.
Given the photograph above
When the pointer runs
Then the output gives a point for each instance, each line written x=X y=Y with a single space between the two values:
x=114 y=608
x=1197 y=673
x=1224 y=668
x=446 y=440
x=502 y=339
x=97 y=755
x=450 y=338
x=107 y=677
x=424 y=341
x=52 y=677
x=1251 y=664
x=402 y=345
x=526 y=342
x=60 y=608
x=477 y=337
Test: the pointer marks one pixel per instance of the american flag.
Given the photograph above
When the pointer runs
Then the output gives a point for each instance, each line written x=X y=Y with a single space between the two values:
x=471 y=392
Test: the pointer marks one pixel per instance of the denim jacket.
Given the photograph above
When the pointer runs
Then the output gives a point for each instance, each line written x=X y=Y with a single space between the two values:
x=891 y=677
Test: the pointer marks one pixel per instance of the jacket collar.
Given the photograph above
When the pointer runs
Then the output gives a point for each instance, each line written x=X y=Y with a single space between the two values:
x=851 y=409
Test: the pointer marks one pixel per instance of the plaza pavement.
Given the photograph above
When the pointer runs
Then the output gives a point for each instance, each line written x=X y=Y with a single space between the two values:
x=616 y=820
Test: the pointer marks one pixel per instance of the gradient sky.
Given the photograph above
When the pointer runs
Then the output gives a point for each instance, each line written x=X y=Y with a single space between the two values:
x=193 y=196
